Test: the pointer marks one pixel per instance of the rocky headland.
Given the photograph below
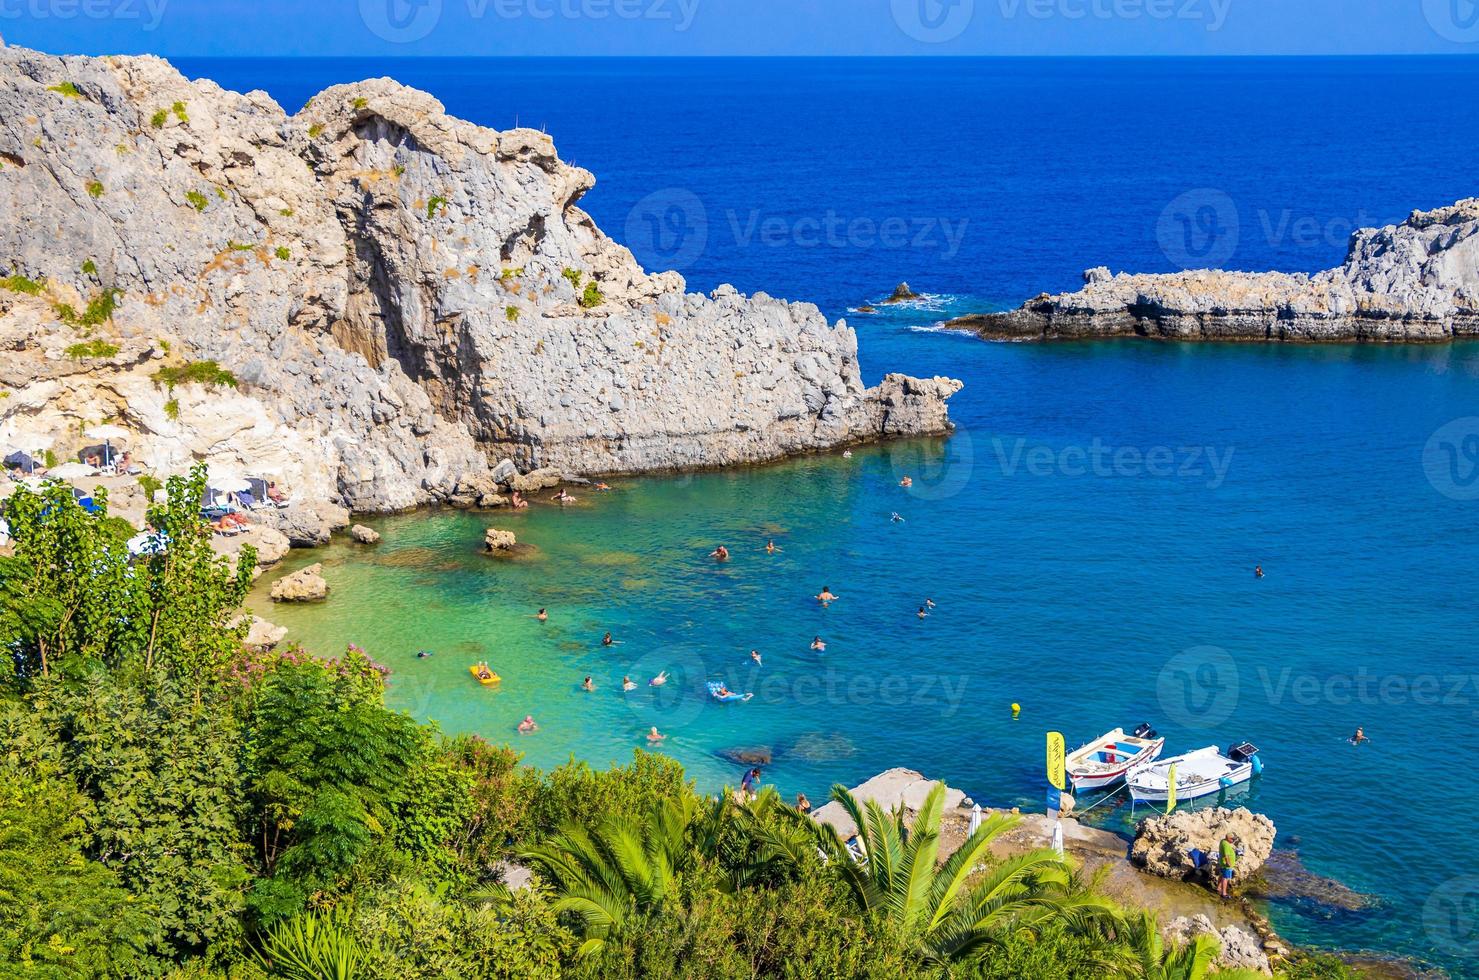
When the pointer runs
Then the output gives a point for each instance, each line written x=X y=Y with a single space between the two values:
x=371 y=301
x=1413 y=282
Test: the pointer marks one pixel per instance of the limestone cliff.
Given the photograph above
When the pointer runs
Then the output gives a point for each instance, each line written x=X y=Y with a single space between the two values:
x=1417 y=281
x=397 y=298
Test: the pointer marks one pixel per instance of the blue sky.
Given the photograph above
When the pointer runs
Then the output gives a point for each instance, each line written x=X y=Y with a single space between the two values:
x=742 y=27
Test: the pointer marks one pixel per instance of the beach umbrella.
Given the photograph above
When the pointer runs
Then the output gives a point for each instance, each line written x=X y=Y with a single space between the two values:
x=146 y=543
x=975 y=823
x=1058 y=837
x=107 y=432
x=71 y=471
x=230 y=483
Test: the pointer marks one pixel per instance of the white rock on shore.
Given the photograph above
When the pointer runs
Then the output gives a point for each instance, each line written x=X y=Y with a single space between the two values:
x=1239 y=948
x=305 y=585
x=393 y=291
x=1163 y=844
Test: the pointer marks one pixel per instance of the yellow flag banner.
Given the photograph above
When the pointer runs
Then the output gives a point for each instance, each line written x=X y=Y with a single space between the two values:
x=1055 y=759
x=1171 y=788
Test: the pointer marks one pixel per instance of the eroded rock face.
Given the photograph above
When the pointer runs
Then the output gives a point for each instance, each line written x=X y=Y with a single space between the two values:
x=364 y=535
x=1417 y=281
x=304 y=585
x=498 y=541
x=401 y=298
x=1163 y=844
x=1240 y=949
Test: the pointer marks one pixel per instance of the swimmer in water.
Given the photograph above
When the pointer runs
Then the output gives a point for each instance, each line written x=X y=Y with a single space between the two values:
x=602 y=487
x=518 y=501
x=720 y=553
x=755 y=656
x=847 y=454
x=542 y=616
x=588 y=684
x=627 y=684
x=818 y=645
x=1258 y=571
x=654 y=736
x=607 y=641
x=922 y=613
x=564 y=497
x=770 y=547
x=896 y=518
x=825 y=597
x=1359 y=737
x=659 y=680
x=929 y=603
x=906 y=482
x=422 y=654
x=527 y=725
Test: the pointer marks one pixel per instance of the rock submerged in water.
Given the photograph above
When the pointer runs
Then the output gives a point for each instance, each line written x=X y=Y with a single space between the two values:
x=759 y=755
x=1163 y=845
x=305 y=585
x=364 y=535
x=496 y=541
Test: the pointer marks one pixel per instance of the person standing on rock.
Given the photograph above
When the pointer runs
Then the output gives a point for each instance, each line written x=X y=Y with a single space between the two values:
x=1227 y=864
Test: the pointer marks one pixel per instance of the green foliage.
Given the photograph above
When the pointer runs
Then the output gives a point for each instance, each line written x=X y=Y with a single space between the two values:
x=49 y=457
x=508 y=274
x=197 y=200
x=511 y=314
x=282 y=253
x=89 y=267
x=236 y=246
x=573 y=275
x=94 y=188
x=159 y=119
x=151 y=484
x=99 y=309
x=436 y=205
x=61 y=914
x=18 y=283
x=172 y=409
x=399 y=170
x=286 y=212
x=207 y=373
x=312 y=946
x=591 y=297
x=1318 y=966
x=69 y=89
x=179 y=110
x=360 y=103
x=91 y=348
x=314 y=131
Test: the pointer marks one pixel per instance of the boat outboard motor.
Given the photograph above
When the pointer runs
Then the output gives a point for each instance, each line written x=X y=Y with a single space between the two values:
x=1246 y=752
x=1144 y=731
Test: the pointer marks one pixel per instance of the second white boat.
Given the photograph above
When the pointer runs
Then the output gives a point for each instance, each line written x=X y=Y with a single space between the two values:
x=1200 y=773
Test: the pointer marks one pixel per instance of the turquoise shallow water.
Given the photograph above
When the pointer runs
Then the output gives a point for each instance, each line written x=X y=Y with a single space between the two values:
x=1093 y=594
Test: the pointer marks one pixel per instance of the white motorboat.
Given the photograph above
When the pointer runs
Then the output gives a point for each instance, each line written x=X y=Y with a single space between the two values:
x=1201 y=773
x=1106 y=760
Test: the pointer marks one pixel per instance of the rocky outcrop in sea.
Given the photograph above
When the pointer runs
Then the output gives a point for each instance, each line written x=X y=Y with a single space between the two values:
x=1417 y=281
x=370 y=300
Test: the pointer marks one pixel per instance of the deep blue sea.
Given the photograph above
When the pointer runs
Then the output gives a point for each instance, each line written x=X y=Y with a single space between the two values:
x=1089 y=535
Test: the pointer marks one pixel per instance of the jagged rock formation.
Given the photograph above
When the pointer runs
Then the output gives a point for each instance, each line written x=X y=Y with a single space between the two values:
x=1237 y=948
x=1417 y=281
x=1163 y=844
x=304 y=585
x=397 y=298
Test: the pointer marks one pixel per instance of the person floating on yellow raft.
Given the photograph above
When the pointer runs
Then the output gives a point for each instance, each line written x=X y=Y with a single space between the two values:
x=484 y=673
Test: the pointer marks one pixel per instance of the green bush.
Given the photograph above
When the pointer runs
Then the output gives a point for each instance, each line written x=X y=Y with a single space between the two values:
x=69 y=89
x=282 y=252
x=435 y=205
x=94 y=188
x=573 y=275
x=511 y=314
x=314 y=131
x=159 y=119
x=99 y=309
x=89 y=267
x=207 y=373
x=592 y=297
x=151 y=485
x=197 y=200
x=179 y=110
x=360 y=103
x=92 y=348
x=172 y=409
x=18 y=283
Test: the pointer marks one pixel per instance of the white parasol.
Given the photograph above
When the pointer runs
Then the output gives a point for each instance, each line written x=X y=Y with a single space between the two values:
x=71 y=471
x=107 y=432
x=229 y=483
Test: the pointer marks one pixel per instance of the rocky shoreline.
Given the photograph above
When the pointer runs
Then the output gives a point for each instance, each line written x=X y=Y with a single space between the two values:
x=1416 y=282
x=371 y=300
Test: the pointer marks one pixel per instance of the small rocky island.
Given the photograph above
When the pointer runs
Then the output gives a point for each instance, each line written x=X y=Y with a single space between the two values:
x=1413 y=282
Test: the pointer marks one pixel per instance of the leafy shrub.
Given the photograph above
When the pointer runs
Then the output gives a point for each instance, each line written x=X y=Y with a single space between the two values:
x=90 y=267
x=69 y=89
x=511 y=314
x=159 y=119
x=238 y=246
x=286 y=212
x=207 y=373
x=436 y=204
x=360 y=103
x=508 y=274
x=573 y=275
x=92 y=348
x=95 y=188
x=314 y=131
x=592 y=296
x=197 y=200
x=282 y=252
x=399 y=170
x=151 y=484
x=179 y=110
x=18 y=283
x=172 y=409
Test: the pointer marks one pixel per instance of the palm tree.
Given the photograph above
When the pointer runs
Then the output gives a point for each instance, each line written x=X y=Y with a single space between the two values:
x=936 y=906
x=617 y=870
x=312 y=946
x=1144 y=955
